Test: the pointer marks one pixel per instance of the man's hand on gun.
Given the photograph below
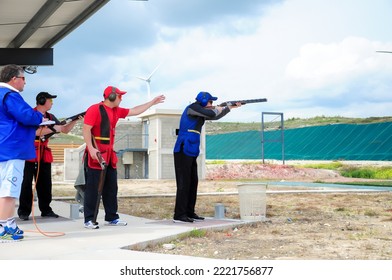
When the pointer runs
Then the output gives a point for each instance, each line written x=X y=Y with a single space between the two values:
x=96 y=155
x=236 y=105
x=101 y=161
x=231 y=106
x=243 y=102
x=73 y=118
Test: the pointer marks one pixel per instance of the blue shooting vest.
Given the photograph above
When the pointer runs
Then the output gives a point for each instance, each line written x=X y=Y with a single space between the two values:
x=188 y=137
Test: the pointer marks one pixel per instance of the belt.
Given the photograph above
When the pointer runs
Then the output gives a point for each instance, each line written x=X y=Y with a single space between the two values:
x=101 y=138
x=194 y=131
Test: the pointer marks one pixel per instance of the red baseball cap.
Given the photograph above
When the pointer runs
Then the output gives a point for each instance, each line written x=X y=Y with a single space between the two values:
x=111 y=89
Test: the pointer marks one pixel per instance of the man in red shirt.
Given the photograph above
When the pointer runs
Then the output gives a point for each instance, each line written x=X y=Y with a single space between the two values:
x=98 y=132
x=42 y=162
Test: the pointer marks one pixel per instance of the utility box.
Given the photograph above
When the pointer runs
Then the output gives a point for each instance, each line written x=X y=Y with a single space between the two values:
x=127 y=158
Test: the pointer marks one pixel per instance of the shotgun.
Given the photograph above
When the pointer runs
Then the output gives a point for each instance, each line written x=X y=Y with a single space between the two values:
x=243 y=102
x=72 y=118
x=101 y=182
x=63 y=122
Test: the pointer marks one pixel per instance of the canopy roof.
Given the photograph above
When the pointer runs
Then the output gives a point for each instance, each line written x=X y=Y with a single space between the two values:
x=30 y=28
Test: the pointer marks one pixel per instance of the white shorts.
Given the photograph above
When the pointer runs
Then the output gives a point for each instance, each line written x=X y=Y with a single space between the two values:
x=11 y=177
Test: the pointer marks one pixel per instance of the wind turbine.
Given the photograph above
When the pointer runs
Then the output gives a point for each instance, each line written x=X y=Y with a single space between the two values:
x=148 y=81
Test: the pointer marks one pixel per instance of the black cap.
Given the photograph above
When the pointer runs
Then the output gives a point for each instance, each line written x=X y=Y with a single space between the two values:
x=44 y=95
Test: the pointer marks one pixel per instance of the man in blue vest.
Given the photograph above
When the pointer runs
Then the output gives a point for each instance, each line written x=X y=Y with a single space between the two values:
x=186 y=151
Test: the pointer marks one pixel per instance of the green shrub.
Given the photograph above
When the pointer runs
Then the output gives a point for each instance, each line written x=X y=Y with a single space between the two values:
x=384 y=173
x=366 y=173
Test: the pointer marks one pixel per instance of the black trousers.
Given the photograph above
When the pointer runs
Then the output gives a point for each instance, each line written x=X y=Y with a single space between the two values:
x=109 y=194
x=43 y=187
x=187 y=181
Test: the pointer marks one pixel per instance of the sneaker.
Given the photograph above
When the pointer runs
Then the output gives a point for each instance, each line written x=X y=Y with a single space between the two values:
x=6 y=236
x=16 y=231
x=196 y=218
x=116 y=222
x=91 y=225
x=183 y=220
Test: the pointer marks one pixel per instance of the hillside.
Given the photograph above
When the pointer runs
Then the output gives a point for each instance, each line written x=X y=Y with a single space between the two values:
x=74 y=137
x=216 y=127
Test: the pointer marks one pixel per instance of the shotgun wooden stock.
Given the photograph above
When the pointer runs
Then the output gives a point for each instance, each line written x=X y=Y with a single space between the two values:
x=100 y=184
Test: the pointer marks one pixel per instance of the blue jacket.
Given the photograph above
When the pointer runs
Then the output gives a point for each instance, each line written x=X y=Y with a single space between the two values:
x=18 y=123
x=191 y=123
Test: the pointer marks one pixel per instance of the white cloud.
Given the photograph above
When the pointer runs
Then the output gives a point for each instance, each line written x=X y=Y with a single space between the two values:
x=307 y=57
x=320 y=65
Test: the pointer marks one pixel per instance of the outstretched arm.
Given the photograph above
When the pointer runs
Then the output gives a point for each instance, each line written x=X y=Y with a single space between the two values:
x=137 y=110
x=220 y=112
x=65 y=128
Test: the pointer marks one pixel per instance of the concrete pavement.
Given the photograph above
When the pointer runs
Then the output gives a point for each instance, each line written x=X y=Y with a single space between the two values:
x=65 y=238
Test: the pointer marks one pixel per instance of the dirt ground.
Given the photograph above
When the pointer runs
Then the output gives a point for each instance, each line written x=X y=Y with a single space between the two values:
x=299 y=225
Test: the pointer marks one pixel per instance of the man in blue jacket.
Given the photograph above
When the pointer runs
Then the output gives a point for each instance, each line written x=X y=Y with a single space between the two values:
x=18 y=122
x=186 y=151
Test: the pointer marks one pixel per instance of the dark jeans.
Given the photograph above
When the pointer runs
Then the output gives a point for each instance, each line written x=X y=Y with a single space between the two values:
x=109 y=194
x=43 y=187
x=187 y=181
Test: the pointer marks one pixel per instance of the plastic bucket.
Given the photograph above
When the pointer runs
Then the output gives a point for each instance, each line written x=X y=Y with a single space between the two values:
x=252 y=201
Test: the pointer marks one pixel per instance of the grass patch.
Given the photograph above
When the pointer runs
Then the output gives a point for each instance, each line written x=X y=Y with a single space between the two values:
x=198 y=233
x=363 y=172
x=195 y=233
x=216 y=162
x=382 y=173
x=335 y=165
x=370 y=213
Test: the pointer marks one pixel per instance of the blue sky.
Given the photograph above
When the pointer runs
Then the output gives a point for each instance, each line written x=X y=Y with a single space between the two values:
x=307 y=57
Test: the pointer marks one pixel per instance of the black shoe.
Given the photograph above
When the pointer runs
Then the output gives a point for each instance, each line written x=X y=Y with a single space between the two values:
x=197 y=218
x=50 y=215
x=24 y=217
x=183 y=220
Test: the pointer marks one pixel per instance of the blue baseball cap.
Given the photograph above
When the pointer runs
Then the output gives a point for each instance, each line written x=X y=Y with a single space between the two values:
x=204 y=97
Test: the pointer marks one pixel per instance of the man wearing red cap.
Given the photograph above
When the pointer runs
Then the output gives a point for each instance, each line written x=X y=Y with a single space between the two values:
x=98 y=132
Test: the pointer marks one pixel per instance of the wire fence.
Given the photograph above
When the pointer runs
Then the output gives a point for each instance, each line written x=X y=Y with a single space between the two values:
x=329 y=142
